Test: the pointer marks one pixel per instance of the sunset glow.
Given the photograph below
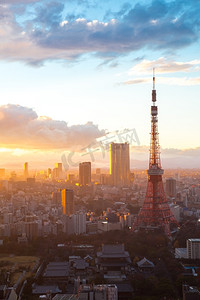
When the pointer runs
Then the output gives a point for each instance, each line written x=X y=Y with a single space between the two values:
x=72 y=72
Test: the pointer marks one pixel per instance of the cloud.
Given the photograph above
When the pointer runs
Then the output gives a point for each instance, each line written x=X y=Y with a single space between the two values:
x=136 y=81
x=20 y=127
x=170 y=157
x=168 y=152
x=49 y=15
x=191 y=152
x=181 y=81
x=163 y=65
x=48 y=35
x=20 y=1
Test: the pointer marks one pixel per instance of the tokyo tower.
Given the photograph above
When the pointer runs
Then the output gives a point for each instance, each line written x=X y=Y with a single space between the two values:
x=155 y=212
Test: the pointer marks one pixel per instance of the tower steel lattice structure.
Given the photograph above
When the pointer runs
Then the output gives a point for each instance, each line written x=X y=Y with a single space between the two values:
x=155 y=212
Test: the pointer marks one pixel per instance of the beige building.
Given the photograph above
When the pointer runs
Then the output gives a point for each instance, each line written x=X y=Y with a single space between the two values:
x=171 y=187
x=85 y=173
x=25 y=168
x=57 y=171
x=120 y=164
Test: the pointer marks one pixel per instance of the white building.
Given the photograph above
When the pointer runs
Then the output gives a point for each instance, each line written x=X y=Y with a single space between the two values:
x=176 y=211
x=80 y=223
x=181 y=253
x=75 y=224
x=193 y=248
x=104 y=226
x=106 y=292
x=8 y=218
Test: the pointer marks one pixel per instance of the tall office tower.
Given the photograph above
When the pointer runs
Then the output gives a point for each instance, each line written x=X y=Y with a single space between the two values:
x=31 y=229
x=25 y=168
x=171 y=187
x=155 y=213
x=68 y=202
x=120 y=164
x=80 y=222
x=56 y=198
x=58 y=171
x=85 y=173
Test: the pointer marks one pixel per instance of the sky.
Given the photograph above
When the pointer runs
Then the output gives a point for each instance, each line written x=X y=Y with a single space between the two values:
x=74 y=73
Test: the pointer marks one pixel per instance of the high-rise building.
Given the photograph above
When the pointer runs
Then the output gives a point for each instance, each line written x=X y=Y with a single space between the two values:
x=120 y=164
x=193 y=248
x=31 y=229
x=57 y=171
x=68 y=202
x=80 y=223
x=56 y=198
x=49 y=172
x=71 y=178
x=75 y=224
x=171 y=187
x=25 y=168
x=85 y=173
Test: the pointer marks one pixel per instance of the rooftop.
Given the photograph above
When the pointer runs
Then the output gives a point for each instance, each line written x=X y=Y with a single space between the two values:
x=82 y=296
x=194 y=240
x=43 y=289
x=145 y=263
x=57 y=269
x=114 y=249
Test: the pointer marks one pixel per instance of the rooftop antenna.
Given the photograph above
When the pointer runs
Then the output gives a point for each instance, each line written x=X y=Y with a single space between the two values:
x=154 y=90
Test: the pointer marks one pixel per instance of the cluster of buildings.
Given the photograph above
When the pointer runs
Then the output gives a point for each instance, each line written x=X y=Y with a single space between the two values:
x=29 y=216
x=39 y=208
x=120 y=174
x=53 y=202
x=33 y=211
x=75 y=278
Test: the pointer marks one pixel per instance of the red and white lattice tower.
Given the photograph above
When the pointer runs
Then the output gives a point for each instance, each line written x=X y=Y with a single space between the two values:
x=155 y=212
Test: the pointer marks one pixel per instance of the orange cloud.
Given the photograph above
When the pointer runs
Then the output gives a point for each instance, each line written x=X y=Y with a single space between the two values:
x=20 y=127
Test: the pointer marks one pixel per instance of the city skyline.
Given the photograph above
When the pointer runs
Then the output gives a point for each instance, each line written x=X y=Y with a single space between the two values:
x=71 y=73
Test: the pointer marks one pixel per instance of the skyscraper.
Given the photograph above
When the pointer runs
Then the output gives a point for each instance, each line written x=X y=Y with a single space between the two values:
x=56 y=198
x=25 y=168
x=120 y=164
x=85 y=173
x=57 y=171
x=48 y=172
x=68 y=202
x=171 y=187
